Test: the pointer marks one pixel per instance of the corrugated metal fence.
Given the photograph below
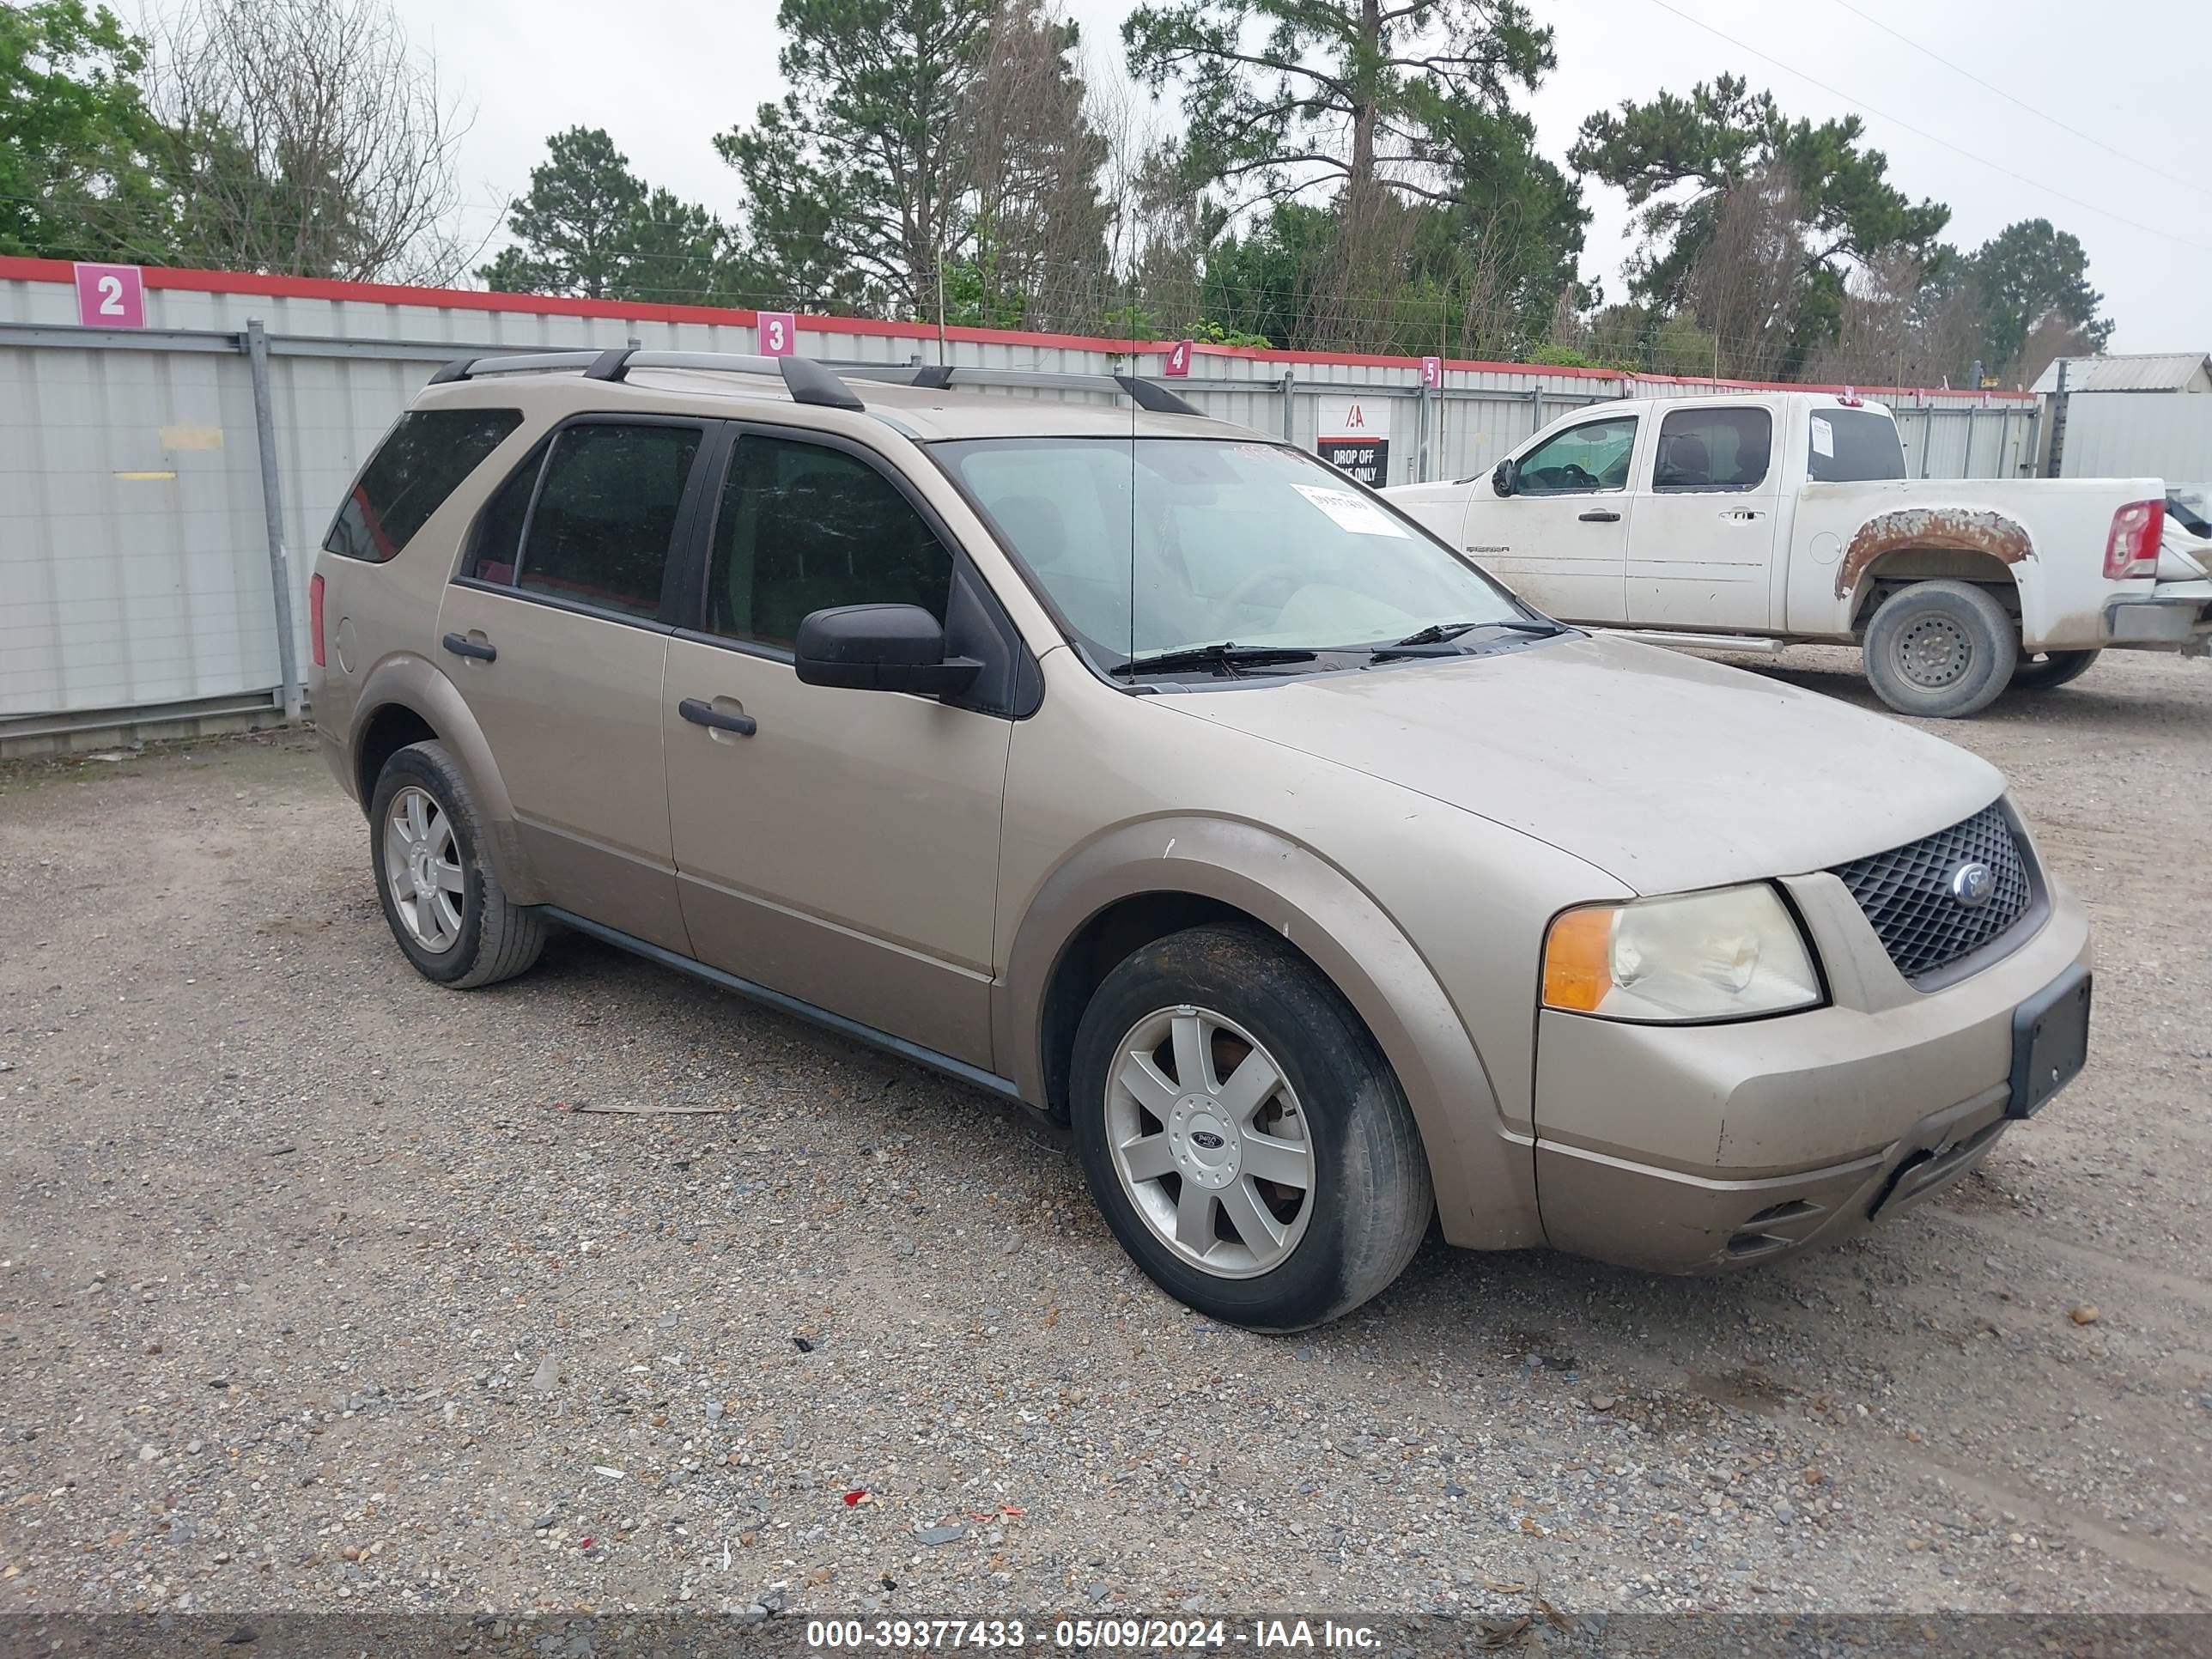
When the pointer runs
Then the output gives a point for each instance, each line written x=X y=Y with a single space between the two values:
x=136 y=582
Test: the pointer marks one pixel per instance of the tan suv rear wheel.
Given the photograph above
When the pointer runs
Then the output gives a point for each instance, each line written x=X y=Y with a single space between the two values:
x=1246 y=1139
x=440 y=892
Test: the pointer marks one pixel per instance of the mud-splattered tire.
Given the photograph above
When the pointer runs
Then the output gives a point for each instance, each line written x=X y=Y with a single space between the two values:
x=434 y=877
x=1941 y=650
x=2051 y=669
x=1216 y=1070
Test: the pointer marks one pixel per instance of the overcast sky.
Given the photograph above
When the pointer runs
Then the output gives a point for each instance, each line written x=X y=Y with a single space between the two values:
x=2127 y=75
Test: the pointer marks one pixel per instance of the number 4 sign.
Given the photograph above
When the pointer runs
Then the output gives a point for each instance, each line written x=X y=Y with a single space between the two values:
x=779 y=333
x=111 y=296
x=1178 y=363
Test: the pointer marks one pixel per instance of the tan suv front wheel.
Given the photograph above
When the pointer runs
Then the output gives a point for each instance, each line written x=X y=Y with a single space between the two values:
x=1243 y=1135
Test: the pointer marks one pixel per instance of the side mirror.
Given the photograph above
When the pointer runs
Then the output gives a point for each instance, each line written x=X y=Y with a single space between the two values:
x=1506 y=474
x=879 y=648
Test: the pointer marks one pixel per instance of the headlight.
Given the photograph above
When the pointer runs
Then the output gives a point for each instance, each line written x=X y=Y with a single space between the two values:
x=1728 y=954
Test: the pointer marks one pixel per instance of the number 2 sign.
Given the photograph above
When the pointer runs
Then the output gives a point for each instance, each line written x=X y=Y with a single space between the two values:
x=778 y=333
x=111 y=296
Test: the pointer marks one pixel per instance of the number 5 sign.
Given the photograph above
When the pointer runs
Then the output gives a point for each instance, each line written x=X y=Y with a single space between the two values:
x=1433 y=372
x=779 y=333
x=111 y=296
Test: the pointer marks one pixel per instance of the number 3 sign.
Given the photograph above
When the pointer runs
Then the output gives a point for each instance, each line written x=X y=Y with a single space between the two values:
x=778 y=331
x=111 y=296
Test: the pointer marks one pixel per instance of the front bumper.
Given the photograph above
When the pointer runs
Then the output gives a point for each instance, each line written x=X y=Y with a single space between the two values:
x=1680 y=1149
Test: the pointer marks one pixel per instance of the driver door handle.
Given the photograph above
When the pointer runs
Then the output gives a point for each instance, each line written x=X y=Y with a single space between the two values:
x=702 y=712
x=1600 y=515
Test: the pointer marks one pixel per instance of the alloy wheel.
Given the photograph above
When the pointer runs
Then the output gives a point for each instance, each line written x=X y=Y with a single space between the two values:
x=1209 y=1142
x=422 y=868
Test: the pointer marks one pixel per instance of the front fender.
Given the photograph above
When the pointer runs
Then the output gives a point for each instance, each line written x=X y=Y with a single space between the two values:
x=1483 y=1171
x=413 y=682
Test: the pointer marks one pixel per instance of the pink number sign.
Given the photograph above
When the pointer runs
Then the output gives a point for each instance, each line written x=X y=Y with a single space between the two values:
x=779 y=333
x=1433 y=372
x=111 y=296
x=1178 y=363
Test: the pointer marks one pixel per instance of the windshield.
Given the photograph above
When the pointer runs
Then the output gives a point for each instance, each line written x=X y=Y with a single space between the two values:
x=1212 y=541
x=1854 y=446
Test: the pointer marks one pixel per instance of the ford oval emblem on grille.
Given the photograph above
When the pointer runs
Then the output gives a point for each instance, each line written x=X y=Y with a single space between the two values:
x=1973 y=886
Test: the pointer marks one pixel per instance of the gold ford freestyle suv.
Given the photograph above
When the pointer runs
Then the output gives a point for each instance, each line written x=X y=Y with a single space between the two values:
x=1148 y=771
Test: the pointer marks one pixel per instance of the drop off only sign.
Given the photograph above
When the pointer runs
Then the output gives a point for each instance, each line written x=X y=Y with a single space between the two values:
x=1354 y=434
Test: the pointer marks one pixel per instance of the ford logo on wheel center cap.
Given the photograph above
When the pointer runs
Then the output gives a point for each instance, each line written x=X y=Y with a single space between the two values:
x=1973 y=886
x=1207 y=1139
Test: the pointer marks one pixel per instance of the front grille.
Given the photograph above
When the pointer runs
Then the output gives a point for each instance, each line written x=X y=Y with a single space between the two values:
x=1906 y=892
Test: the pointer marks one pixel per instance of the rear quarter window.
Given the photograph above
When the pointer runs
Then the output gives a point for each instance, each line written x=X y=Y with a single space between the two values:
x=421 y=462
x=1853 y=445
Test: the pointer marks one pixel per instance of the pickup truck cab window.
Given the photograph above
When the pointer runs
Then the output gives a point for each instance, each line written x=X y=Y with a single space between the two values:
x=1581 y=460
x=1713 y=449
x=1852 y=445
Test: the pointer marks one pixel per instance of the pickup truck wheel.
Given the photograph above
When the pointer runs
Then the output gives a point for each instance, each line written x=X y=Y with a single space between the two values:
x=2052 y=669
x=1941 y=650
x=1244 y=1137
x=433 y=875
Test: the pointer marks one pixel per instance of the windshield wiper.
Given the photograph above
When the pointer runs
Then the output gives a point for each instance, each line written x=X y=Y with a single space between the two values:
x=1442 y=640
x=1438 y=633
x=1227 y=658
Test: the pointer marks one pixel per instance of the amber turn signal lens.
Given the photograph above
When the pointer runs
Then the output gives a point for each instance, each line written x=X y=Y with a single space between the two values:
x=1577 y=959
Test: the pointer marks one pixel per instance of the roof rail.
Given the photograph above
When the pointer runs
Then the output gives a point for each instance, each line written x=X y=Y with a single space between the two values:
x=939 y=377
x=809 y=381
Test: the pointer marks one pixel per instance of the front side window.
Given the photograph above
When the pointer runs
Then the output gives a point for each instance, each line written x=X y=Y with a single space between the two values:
x=421 y=461
x=605 y=516
x=1594 y=455
x=804 y=527
x=1160 y=543
x=1713 y=449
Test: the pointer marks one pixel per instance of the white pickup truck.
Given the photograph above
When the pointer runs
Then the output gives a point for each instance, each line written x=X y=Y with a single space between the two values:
x=1788 y=516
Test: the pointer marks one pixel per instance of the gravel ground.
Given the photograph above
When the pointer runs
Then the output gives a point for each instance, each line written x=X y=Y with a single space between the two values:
x=316 y=1289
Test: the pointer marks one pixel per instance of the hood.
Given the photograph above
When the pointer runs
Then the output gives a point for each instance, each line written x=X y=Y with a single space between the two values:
x=1666 y=771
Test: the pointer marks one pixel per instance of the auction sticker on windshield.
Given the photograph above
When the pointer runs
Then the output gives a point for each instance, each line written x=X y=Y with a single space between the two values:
x=1361 y=517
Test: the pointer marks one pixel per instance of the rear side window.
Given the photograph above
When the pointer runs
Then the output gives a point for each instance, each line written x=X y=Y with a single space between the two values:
x=498 y=545
x=1713 y=449
x=421 y=461
x=604 y=516
x=1853 y=445
x=804 y=527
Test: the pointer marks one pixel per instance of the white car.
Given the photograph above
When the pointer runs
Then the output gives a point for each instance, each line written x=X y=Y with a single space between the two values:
x=1788 y=516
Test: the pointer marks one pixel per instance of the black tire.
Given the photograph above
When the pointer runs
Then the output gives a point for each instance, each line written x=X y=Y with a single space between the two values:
x=1941 y=650
x=2052 y=669
x=1369 y=1199
x=498 y=938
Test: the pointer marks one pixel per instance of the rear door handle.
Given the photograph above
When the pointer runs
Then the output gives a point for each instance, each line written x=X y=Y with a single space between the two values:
x=700 y=713
x=1600 y=515
x=462 y=645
